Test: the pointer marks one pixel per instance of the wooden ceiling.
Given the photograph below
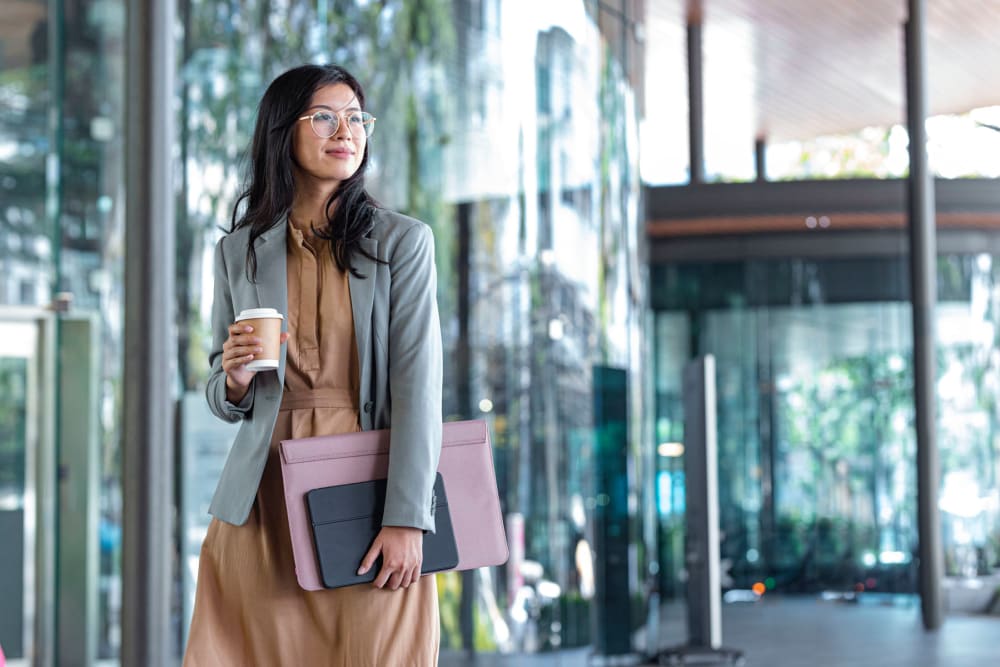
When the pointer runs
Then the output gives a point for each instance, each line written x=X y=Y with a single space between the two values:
x=798 y=69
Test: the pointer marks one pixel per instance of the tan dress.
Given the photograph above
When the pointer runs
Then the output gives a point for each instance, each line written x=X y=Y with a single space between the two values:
x=249 y=609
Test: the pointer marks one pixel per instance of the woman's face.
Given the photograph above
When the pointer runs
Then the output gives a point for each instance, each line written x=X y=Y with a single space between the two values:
x=326 y=161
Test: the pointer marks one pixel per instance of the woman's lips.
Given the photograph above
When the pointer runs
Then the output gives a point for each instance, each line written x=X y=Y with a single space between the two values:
x=340 y=152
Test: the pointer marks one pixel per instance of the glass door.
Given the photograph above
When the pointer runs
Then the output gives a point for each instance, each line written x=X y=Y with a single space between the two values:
x=26 y=485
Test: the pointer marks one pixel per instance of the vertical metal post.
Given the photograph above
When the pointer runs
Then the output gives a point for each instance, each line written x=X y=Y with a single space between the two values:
x=760 y=158
x=923 y=282
x=463 y=391
x=701 y=548
x=46 y=631
x=701 y=526
x=147 y=450
x=696 y=124
x=78 y=556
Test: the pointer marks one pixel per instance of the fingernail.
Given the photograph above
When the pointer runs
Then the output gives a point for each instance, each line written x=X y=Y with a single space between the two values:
x=361 y=570
x=248 y=329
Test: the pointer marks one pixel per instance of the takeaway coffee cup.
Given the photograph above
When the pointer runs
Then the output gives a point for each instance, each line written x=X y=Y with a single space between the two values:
x=266 y=323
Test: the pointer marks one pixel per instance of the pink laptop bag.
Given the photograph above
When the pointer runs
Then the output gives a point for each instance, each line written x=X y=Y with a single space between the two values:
x=466 y=466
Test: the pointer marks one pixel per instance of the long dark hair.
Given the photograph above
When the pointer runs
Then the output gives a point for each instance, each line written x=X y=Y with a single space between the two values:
x=269 y=186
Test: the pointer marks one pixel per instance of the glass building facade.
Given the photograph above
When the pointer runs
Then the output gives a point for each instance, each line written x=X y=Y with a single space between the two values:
x=512 y=128
x=512 y=132
x=61 y=242
x=817 y=450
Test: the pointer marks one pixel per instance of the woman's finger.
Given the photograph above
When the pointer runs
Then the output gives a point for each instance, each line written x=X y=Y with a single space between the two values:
x=369 y=559
x=238 y=362
x=242 y=350
x=245 y=339
x=384 y=574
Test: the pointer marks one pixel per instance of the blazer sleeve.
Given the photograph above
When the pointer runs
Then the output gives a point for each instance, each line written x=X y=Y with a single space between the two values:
x=415 y=379
x=222 y=317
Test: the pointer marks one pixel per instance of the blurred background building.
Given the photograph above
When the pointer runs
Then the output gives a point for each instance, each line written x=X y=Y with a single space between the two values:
x=582 y=263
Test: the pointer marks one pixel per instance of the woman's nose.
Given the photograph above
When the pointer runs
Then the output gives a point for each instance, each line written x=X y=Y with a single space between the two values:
x=343 y=129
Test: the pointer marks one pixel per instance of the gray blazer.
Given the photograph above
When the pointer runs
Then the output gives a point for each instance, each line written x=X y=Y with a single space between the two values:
x=399 y=350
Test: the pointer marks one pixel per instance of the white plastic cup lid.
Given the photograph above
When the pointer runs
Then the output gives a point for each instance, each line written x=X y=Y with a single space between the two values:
x=259 y=313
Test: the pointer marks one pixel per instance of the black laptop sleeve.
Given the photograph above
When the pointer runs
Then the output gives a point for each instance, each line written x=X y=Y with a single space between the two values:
x=345 y=520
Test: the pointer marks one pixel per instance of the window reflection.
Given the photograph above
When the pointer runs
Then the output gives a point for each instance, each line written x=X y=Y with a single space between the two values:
x=816 y=438
x=527 y=177
x=61 y=181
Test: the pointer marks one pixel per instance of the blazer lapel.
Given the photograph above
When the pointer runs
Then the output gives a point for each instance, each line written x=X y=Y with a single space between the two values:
x=362 y=299
x=272 y=280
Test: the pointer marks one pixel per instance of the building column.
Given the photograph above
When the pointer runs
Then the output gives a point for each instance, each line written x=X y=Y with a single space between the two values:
x=923 y=286
x=696 y=112
x=760 y=158
x=463 y=392
x=148 y=393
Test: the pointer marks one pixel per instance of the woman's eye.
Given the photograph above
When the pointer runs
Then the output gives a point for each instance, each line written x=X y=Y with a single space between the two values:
x=356 y=118
x=324 y=117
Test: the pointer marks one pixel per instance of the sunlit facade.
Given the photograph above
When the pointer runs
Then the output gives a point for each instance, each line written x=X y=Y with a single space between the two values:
x=515 y=129
x=511 y=129
x=512 y=132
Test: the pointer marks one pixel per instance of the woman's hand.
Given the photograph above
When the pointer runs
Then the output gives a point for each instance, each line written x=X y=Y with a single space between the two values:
x=237 y=351
x=402 y=550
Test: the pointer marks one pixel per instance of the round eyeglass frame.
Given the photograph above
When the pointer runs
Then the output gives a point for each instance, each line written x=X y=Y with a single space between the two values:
x=367 y=122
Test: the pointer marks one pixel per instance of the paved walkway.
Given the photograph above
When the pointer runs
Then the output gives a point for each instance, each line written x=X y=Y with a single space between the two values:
x=808 y=632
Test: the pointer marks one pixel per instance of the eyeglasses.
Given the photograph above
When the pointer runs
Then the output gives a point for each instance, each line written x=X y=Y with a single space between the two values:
x=326 y=123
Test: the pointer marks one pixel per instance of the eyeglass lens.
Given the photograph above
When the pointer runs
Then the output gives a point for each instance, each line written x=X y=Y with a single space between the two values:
x=326 y=123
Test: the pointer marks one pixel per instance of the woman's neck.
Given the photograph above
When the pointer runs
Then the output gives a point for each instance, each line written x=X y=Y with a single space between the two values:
x=309 y=208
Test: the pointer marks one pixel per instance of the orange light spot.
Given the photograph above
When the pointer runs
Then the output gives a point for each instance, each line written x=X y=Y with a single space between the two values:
x=759 y=588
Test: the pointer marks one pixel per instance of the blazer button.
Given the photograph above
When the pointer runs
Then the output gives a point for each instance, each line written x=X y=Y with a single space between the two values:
x=368 y=406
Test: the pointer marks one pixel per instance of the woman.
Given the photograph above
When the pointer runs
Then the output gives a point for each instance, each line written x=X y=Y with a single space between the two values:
x=361 y=349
